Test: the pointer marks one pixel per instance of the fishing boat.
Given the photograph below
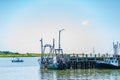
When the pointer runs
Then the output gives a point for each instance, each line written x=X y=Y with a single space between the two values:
x=17 y=60
x=110 y=63
x=54 y=59
x=52 y=63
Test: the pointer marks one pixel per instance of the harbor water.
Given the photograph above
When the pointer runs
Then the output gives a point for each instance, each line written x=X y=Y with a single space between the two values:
x=29 y=70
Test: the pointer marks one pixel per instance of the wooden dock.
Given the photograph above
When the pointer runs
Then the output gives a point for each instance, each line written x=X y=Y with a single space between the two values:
x=85 y=61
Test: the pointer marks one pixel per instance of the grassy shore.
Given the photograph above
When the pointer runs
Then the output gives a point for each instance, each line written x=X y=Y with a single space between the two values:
x=25 y=55
x=11 y=54
x=20 y=55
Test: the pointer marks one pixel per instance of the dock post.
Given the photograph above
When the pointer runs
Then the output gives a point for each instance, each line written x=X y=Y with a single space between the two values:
x=95 y=58
x=86 y=61
x=94 y=61
x=77 y=61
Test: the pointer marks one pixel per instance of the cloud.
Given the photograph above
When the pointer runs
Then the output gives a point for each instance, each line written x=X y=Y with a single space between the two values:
x=84 y=22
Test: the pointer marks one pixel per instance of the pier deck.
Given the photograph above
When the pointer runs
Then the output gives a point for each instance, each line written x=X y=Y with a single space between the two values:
x=86 y=61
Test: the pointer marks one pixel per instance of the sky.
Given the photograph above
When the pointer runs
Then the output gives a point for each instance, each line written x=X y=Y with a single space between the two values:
x=88 y=24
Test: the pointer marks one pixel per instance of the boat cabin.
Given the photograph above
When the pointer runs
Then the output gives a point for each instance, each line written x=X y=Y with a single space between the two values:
x=112 y=62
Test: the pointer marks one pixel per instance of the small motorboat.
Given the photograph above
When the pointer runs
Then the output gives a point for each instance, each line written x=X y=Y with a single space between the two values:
x=17 y=60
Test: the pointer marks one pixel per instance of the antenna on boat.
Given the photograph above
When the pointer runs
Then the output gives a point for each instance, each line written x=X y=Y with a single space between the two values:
x=116 y=48
x=93 y=50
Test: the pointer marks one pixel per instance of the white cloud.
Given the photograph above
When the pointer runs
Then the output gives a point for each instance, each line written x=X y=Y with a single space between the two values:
x=84 y=22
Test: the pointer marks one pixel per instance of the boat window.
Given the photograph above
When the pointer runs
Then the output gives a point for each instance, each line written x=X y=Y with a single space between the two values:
x=115 y=61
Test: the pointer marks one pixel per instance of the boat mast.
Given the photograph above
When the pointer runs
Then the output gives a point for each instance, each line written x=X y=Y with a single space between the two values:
x=41 y=45
x=41 y=49
x=59 y=46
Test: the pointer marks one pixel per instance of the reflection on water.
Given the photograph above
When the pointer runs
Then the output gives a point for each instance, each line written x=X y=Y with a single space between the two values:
x=80 y=74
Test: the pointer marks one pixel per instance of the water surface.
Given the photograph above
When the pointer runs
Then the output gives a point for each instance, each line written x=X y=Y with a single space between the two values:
x=29 y=70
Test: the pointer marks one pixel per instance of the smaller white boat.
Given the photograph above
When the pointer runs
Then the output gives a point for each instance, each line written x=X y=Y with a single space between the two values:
x=17 y=60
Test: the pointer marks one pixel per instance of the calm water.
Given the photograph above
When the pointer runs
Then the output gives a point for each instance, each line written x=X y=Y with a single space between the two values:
x=29 y=70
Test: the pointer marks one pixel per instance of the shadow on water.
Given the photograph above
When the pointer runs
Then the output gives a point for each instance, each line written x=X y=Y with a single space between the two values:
x=80 y=74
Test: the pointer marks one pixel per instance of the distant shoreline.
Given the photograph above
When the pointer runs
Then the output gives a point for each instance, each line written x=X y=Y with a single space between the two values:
x=20 y=55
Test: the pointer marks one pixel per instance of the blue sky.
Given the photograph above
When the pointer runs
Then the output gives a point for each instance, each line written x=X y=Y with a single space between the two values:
x=87 y=24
